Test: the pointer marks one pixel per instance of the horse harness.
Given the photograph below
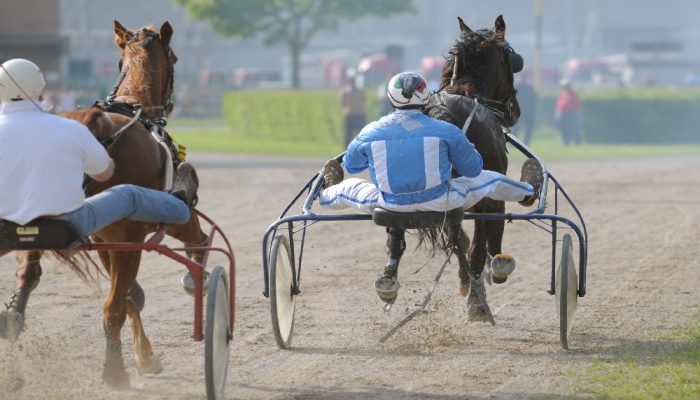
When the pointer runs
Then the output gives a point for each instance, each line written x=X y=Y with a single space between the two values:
x=156 y=126
x=169 y=87
x=506 y=106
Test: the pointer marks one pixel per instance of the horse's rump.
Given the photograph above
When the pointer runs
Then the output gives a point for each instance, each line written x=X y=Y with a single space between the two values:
x=138 y=157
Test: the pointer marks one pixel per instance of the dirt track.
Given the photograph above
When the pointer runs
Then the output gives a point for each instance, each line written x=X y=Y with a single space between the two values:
x=644 y=224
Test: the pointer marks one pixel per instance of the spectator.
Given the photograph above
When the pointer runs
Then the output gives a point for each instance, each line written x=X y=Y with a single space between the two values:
x=567 y=112
x=353 y=104
x=527 y=98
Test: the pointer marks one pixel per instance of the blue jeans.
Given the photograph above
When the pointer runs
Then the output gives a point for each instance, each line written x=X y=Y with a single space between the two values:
x=126 y=201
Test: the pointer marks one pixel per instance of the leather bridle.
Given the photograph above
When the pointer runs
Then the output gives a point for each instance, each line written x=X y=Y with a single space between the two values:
x=500 y=108
x=166 y=105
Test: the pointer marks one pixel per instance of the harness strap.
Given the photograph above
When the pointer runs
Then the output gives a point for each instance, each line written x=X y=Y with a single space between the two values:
x=471 y=116
x=115 y=88
x=169 y=164
x=116 y=135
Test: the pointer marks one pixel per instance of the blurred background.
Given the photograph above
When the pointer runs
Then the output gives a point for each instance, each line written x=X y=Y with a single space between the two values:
x=261 y=77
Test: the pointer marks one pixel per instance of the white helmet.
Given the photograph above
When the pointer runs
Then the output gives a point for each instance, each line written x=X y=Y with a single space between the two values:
x=20 y=79
x=408 y=90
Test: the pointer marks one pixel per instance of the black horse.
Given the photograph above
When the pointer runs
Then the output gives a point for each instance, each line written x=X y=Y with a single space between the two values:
x=478 y=73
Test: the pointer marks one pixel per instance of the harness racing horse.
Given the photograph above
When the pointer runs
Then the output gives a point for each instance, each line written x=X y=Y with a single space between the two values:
x=477 y=89
x=130 y=125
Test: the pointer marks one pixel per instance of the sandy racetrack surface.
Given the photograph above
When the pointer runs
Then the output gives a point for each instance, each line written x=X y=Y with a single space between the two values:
x=644 y=226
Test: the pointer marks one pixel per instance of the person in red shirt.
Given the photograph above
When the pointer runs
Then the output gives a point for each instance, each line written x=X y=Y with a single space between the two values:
x=567 y=112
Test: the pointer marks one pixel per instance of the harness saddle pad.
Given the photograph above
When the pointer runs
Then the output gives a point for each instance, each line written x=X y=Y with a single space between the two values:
x=44 y=234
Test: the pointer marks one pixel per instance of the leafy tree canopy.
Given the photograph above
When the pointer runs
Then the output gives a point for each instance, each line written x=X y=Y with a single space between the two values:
x=292 y=21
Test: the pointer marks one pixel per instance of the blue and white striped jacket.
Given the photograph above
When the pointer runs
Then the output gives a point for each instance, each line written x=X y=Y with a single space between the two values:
x=410 y=156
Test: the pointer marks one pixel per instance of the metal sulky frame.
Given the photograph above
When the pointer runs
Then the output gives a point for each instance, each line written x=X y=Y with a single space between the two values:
x=283 y=254
x=216 y=332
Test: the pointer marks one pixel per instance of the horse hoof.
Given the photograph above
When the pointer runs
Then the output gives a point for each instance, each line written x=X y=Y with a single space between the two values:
x=116 y=379
x=502 y=265
x=11 y=324
x=151 y=366
x=463 y=289
x=387 y=288
x=188 y=283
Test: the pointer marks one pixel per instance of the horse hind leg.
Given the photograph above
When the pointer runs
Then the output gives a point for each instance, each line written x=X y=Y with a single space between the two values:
x=387 y=286
x=136 y=295
x=123 y=269
x=28 y=274
x=147 y=362
x=463 y=239
x=478 y=308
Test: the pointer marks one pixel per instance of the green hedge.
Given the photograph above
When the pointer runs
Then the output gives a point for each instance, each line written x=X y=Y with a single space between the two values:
x=633 y=115
x=290 y=115
x=624 y=115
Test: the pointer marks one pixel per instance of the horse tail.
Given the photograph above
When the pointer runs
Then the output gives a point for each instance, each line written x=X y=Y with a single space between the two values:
x=82 y=265
x=433 y=239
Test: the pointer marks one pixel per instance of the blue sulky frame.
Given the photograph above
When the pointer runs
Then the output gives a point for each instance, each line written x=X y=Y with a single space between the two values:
x=548 y=222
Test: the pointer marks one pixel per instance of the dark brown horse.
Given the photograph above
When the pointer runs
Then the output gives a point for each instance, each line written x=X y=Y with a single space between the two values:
x=146 y=82
x=478 y=73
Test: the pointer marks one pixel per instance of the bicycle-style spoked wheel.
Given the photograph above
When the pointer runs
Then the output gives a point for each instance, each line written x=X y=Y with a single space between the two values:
x=566 y=291
x=217 y=334
x=282 y=297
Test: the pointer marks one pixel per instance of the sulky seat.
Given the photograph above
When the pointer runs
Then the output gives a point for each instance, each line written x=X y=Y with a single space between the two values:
x=417 y=220
x=39 y=234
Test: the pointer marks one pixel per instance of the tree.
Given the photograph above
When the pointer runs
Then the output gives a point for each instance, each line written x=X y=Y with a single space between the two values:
x=292 y=22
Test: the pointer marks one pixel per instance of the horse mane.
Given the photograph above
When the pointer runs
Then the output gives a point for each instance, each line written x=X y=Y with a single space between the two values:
x=471 y=68
x=137 y=83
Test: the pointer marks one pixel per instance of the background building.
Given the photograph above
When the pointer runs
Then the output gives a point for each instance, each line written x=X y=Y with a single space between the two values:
x=32 y=30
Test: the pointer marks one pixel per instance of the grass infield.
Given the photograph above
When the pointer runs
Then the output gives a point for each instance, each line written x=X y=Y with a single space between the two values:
x=214 y=136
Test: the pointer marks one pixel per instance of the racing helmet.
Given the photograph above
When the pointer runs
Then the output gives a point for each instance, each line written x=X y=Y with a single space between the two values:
x=20 y=79
x=408 y=90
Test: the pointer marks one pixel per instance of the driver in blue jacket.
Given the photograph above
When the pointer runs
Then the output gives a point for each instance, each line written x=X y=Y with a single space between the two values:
x=410 y=157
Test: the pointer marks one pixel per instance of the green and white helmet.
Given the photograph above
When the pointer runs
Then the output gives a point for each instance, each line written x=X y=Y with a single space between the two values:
x=408 y=90
x=20 y=79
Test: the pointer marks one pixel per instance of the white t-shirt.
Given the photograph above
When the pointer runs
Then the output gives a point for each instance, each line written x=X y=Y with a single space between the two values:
x=42 y=161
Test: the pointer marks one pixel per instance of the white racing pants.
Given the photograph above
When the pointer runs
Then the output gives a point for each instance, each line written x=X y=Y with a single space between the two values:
x=463 y=192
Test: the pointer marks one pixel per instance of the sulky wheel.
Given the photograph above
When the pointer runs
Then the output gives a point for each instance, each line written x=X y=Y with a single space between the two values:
x=566 y=293
x=282 y=297
x=217 y=334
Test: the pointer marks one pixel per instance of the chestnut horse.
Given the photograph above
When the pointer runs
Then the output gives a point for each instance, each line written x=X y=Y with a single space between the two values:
x=478 y=73
x=146 y=83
